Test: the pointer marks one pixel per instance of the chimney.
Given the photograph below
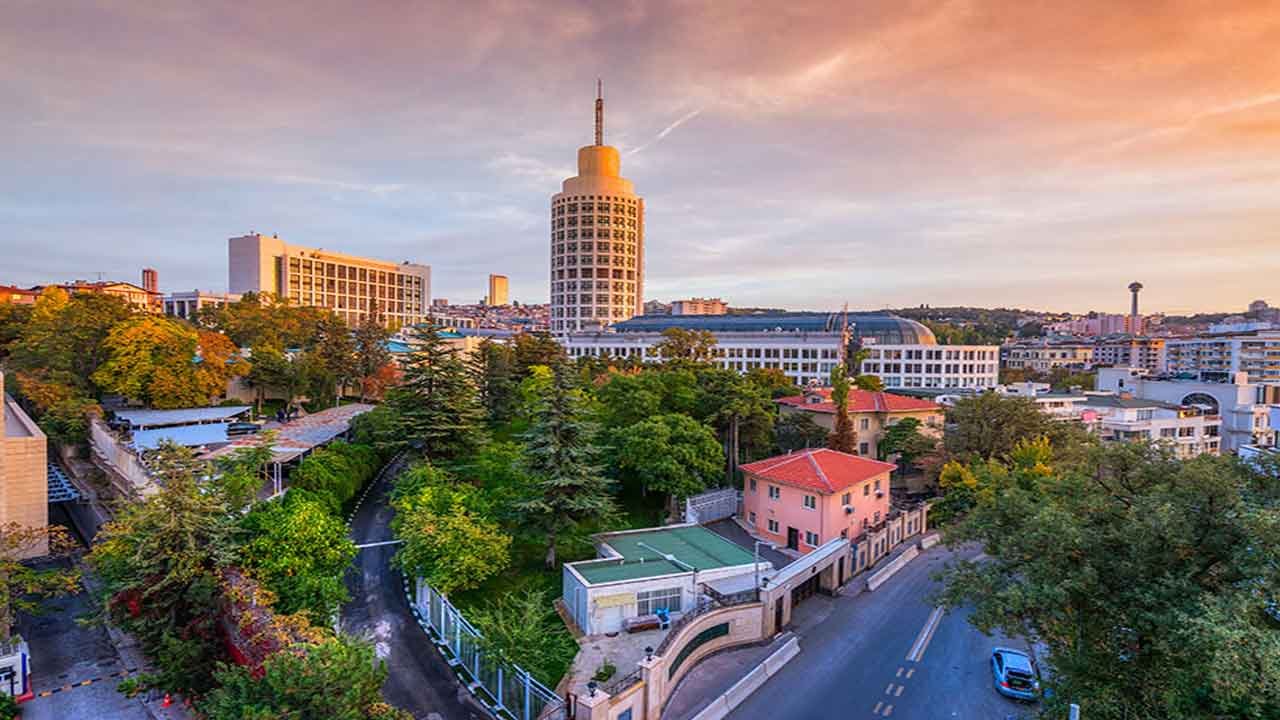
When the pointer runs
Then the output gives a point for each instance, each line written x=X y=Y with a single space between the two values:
x=150 y=280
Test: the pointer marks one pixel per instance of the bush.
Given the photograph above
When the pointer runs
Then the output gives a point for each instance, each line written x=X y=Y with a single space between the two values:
x=335 y=473
x=525 y=629
x=8 y=707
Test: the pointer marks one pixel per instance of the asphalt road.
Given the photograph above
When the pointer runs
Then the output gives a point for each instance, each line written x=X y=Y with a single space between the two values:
x=854 y=662
x=419 y=680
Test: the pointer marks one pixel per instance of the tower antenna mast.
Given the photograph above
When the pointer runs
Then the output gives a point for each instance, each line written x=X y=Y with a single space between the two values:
x=599 y=112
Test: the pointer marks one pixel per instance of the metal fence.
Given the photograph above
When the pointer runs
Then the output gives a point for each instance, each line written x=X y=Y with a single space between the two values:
x=712 y=505
x=503 y=685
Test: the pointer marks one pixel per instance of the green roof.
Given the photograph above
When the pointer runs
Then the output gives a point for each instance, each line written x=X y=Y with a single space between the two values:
x=690 y=545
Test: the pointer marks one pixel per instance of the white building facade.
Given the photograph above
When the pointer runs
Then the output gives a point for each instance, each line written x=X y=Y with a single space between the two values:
x=1257 y=354
x=186 y=305
x=597 y=242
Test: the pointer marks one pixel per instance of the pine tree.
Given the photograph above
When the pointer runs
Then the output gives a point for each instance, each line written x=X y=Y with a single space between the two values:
x=562 y=458
x=493 y=369
x=371 y=347
x=436 y=401
x=843 y=438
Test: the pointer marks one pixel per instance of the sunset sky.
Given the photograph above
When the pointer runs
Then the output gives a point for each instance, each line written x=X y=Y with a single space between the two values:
x=792 y=154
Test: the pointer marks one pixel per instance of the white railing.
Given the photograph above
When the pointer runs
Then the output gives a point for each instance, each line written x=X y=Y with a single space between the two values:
x=508 y=686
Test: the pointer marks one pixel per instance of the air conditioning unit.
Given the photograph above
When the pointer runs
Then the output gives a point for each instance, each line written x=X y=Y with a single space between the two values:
x=879 y=493
x=848 y=509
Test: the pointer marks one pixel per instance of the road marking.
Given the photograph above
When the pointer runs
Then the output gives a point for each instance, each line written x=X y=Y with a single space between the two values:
x=889 y=690
x=899 y=692
x=911 y=672
x=900 y=673
x=876 y=711
x=926 y=634
x=888 y=711
x=378 y=544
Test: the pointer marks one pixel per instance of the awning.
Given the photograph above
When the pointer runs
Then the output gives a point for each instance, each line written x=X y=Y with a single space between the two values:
x=184 y=435
x=187 y=416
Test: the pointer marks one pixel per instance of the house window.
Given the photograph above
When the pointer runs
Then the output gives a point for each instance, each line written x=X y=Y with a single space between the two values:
x=877 y=520
x=753 y=517
x=753 y=484
x=810 y=502
x=844 y=499
x=648 y=601
x=810 y=538
x=774 y=492
x=864 y=424
x=877 y=486
x=866 y=490
x=773 y=526
x=864 y=449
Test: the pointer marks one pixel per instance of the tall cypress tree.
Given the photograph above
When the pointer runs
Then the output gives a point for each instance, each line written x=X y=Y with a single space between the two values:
x=493 y=370
x=371 y=353
x=561 y=456
x=843 y=438
x=436 y=401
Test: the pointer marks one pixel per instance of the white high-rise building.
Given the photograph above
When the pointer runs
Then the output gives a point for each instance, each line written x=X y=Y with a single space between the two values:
x=597 y=242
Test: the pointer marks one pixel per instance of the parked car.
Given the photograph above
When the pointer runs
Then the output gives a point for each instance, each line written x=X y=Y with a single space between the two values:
x=1015 y=674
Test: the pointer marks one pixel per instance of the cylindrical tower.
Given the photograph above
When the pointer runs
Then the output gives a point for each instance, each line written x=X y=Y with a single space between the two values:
x=1134 y=287
x=597 y=242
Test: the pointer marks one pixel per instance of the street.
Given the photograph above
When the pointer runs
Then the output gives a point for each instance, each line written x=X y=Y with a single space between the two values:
x=419 y=680
x=886 y=653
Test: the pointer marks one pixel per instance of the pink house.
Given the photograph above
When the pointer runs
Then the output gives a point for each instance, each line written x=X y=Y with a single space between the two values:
x=805 y=498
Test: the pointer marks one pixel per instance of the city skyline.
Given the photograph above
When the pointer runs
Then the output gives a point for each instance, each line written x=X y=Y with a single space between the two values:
x=984 y=154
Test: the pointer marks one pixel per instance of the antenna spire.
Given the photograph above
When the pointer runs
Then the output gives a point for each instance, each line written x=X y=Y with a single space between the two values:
x=599 y=112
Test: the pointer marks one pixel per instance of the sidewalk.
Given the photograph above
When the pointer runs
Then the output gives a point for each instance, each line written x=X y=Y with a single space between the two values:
x=715 y=675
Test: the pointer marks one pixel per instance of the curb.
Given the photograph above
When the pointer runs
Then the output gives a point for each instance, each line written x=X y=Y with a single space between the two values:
x=749 y=683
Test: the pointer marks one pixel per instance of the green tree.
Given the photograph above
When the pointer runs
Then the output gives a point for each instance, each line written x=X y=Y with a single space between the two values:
x=628 y=398
x=371 y=353
x=158 y=561
x=989 y=425
x=773 y=381
x=533 y=349
x=337 y=679
x=22 y=588
x=67 y=421
x=672 y=454
x=843 y=437
x=679 y=344
x=905 y=439
x=157 y=360
x=64 y=339
x=562 y=460
x=524 y=629
x=1151 y=582
x=493 y=370
x=436 y=401
x=299 y=551
x=796 y=430
x=335 y=473
x=272 y=370
x=446 y=542
x=334 y=350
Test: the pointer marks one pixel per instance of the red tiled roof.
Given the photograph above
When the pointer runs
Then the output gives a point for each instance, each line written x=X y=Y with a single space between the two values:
x=860 y=401
x=821 y=469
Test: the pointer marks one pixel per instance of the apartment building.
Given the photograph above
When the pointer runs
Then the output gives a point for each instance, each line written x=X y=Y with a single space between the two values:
x=1044 y=355
x=1140 y=352
x=1245 y=407
x=1058 y=405
x=351 y=286
x=1190 y=430
x=498 y=291
x=699 y=306
x=1255 y=353
x=871 y=413
x=804 y=499
x=806 y=346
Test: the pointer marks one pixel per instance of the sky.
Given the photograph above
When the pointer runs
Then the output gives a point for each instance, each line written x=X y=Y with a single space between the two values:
x=800 y=154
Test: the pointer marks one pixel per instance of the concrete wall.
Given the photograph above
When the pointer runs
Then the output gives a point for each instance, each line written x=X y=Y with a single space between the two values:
x=24 y=478
x=119 y=463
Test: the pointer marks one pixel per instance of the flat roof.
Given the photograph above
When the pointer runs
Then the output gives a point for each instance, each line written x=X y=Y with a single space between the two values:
x=300 y=436
x=641 y=554
x=185 y=416
x=183 y=435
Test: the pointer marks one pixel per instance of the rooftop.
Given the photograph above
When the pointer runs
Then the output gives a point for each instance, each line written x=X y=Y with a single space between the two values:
x=878 y=327
x=1128 y=403
x=641 y=554
x=139 y=419
x=860 y=401
x=298 y=437
x=821 y=469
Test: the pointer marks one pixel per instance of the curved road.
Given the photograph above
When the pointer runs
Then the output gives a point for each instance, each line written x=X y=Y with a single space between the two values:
x=419 y=680
x=887 y=654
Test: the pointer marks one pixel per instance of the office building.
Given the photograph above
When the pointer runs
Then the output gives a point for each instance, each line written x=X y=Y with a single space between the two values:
x=807 y=345
x=597 y=242
x=139 y=297
x=1255 y=353
x=497 y=291
x=699 y=306
x=350 y=286
x=186 y=305
x=24 y=478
